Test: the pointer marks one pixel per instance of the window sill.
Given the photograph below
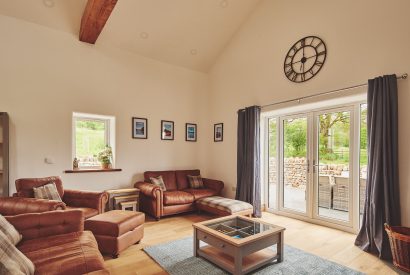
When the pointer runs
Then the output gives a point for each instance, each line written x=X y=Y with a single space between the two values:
x=94 y=170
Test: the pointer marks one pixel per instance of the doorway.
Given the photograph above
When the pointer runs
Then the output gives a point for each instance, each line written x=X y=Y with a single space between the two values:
x=316 y=165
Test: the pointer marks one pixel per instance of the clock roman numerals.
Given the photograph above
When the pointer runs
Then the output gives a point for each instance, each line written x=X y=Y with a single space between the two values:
x=305 y=59
x=289 y=73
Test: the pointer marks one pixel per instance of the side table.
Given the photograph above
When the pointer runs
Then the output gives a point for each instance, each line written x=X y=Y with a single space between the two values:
x=116 y=196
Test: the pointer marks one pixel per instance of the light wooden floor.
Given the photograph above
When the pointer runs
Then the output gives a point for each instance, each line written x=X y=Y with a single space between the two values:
x=325 y=242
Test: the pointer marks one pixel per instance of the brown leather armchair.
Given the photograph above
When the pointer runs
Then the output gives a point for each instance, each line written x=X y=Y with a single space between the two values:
x=16 y=206
x=56 y=243
x=178 y=197
x=91 y=203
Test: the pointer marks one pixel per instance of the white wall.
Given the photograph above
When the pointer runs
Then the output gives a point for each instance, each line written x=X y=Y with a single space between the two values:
x=364 y=39
x=45 y=75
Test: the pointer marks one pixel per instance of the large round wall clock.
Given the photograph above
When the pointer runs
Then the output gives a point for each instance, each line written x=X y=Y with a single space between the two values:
x=305 y=59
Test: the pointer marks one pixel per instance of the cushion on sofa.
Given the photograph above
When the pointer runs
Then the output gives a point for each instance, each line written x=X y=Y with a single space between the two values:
x=88 y=212
x=47 y=192
x=168 y=177
x=72 y=253
x=177 y=197
x=182 y=179
x=195 y=182
x=9 y=231
x=12 y=261
x=158 y=181
x=201 y=193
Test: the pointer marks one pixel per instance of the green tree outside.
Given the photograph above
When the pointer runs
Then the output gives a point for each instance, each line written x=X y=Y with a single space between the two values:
x=334 y=137
x=90 y=138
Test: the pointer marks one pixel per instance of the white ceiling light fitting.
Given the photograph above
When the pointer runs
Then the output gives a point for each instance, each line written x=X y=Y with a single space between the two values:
x=223 y=3
x=49 y=3
x=144 y=35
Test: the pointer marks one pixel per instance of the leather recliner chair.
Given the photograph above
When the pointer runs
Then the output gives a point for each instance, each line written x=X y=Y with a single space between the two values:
x=91 y=203
x=56 y=243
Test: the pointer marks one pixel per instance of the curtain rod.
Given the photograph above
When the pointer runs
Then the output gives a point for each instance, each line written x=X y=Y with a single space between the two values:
x=403 y=76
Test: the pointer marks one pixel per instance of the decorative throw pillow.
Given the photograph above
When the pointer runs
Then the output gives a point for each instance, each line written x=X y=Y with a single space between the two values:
x=9 y=231
x=48 y=191
x=159 y=181
x=195 y=182
x=12 y=261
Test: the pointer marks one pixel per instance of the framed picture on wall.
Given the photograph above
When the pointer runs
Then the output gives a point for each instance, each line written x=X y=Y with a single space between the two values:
x=139 y=128
x=218 y=132
x=167 y=130
x=190 y=132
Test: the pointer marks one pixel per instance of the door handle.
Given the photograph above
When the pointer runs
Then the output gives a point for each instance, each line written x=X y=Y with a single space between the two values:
x=315 y=165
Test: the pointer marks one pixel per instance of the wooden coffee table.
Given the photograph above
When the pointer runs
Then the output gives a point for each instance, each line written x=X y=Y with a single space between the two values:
x=238 y=244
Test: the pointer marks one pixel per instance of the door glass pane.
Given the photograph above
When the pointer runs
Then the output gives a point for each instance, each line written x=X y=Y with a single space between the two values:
x=363 y=159
x=295 y=163
x=333 y=165
x=273 y=163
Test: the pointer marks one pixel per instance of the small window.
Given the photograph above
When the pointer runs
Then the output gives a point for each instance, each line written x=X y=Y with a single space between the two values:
x=91 y=134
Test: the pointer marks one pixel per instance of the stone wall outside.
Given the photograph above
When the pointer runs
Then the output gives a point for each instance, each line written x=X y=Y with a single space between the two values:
x=295 y=171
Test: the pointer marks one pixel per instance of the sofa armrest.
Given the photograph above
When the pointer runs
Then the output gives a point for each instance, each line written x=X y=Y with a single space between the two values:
x=40 y=225
x=149 y=189
x=16 y=206
x=216 y=185
x=95 y=200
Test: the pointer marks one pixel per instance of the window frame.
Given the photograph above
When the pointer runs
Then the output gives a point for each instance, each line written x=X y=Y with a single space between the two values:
x=109 y=137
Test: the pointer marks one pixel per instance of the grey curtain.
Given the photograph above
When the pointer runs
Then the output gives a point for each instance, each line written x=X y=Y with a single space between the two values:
x=248 y=158
x=382 y=192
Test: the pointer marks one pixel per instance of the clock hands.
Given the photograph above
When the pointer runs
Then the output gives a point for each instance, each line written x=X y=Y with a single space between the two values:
x=306 y=58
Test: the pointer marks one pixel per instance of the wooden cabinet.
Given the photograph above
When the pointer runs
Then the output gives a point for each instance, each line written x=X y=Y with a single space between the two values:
x=4 y=155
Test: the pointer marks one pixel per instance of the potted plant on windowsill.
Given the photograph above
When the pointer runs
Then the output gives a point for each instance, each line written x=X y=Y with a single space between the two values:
x=105 y=157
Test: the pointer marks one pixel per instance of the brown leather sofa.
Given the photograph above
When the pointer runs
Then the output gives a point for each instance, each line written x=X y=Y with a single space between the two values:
x=56 y=243
x=178 y=197
x=91 y=203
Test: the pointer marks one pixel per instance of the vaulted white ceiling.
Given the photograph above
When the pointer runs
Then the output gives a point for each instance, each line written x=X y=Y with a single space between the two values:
x=188 y=33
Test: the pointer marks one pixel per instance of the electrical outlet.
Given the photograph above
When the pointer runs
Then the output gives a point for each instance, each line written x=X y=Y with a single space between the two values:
x=234 y=188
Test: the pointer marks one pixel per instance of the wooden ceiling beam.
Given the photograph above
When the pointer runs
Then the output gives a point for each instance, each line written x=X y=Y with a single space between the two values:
x=96 y=14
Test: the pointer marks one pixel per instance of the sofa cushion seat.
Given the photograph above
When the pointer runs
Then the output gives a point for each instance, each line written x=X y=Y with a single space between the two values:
x=177 y=197
x=201 y=193
x=72 y=253
x=88 y=212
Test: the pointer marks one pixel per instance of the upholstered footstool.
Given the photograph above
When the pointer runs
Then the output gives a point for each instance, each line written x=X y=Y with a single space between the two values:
x=116 y=230
x=224 y=206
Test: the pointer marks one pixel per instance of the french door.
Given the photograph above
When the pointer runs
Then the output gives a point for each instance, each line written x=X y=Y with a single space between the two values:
x=313 y=165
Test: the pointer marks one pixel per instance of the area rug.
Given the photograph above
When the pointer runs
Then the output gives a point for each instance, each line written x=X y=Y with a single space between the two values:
x=177 y=259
